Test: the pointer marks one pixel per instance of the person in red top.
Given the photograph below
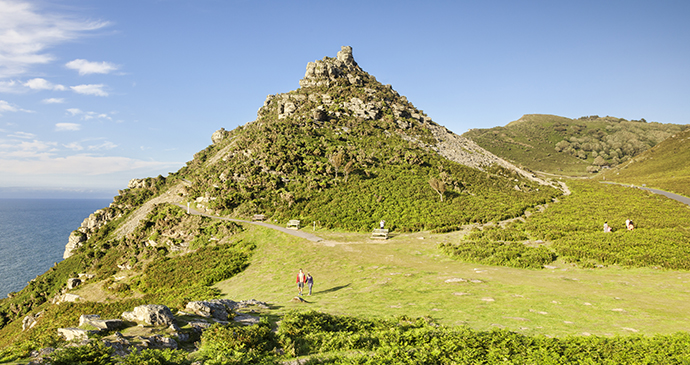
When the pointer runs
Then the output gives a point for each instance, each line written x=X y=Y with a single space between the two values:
x=301 y=279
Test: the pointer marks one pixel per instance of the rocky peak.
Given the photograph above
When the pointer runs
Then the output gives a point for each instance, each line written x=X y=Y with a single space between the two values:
x=329 y=70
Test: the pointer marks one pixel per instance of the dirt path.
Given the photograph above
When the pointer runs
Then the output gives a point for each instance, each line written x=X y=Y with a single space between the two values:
x=301 y=234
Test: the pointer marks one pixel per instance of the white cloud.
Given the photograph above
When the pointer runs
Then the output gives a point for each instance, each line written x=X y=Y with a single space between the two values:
x=42 y=84
x=22 y=135
x=11 y=86
x=59 y=127
x=26 y=149
x=103 y=146
x=75 y=111
x=88 y=115
x=87 y=67
x=53 y=101
x=7 y=107
x=74 y=146
x=26 y=32
x=90 y=89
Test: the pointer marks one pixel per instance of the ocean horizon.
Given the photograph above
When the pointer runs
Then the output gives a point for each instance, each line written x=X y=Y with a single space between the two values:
x=33 y=235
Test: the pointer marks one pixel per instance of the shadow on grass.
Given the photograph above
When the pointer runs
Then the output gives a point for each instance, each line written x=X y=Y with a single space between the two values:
x=335 y=288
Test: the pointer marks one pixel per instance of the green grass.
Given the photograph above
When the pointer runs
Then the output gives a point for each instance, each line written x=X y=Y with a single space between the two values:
x=406 y=276
x=663 y=167
x=531 y=141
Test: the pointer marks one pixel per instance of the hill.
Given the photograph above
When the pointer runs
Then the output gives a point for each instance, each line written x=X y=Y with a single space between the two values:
x=664 y=166
x=575 y=147
x=341 y=153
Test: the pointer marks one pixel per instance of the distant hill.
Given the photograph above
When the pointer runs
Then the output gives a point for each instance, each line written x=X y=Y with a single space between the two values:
x=665 y=166
x=574 y=147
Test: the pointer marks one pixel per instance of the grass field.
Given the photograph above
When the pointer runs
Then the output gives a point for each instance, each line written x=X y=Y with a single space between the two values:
x=407 y=274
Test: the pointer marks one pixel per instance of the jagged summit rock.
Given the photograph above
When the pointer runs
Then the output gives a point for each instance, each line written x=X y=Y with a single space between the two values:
x=327 y=71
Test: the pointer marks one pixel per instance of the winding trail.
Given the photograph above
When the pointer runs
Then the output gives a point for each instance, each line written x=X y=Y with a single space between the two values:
x=680 y=198
x=301 y=234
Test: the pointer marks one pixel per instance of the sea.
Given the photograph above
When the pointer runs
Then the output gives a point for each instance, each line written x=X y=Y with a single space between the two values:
x=33 y=235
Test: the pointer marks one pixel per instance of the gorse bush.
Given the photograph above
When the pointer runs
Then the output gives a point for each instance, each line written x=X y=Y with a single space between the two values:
x=573 y=229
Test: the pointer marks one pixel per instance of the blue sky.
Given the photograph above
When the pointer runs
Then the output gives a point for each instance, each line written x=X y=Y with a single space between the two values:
x=94 y=93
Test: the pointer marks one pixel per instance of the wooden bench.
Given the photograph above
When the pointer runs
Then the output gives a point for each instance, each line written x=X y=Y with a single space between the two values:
x=293 y=224
x=379 y=234
x=258 y=217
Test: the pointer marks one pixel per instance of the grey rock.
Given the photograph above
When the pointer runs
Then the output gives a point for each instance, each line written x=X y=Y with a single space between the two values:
x=150 y=314
x=219 y=136
x=28 y=322
x=216 y=308
x=246 y=319
x=95 y=320
x=71 y=334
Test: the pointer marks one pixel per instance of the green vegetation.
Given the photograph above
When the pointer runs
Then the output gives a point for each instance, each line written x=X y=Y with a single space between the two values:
x=564 y=146
x=347 y=171
x=572 y=230
x=664 y=167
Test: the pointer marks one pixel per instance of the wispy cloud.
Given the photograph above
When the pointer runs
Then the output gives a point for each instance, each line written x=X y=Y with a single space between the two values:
x=7 y=107
x=87 y=67
x=26 y=32
x=79 y=164
x=88 y=115
x=24 y=135
x=74 y=146
x=59 y=127
x=103 y=146
x=90 y=89
x=53 y=101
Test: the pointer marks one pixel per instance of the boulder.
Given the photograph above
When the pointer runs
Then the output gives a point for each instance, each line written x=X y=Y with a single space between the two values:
x=94 y=320
x=28 y=322
x=218 y=135
x=74 y=333
x=246 y=319
x=73 y=283
x=150 y=314
x=216 y=308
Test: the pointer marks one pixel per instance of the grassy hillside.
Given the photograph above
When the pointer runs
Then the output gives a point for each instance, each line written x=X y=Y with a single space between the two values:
x=663 y=167
x=564 y=146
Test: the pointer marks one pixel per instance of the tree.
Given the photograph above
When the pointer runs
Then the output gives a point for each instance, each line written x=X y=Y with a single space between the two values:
x=599 y=161
x=438 y=186
x=337 y=160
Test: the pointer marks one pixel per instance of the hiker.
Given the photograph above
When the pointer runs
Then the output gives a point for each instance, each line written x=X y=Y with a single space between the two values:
x=606 y=227
x=301 y=278
x=627 y=223
x=382 y=223
x=310 y=282
x=631 y=225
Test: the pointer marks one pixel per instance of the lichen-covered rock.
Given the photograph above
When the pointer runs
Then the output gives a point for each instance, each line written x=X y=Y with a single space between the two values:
x=150 y=314
x=215 y=308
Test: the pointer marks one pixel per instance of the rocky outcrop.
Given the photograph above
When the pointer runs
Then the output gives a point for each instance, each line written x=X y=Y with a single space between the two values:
x=90 y=225
x=219 y=135
x=329 y=70
x=150 y=314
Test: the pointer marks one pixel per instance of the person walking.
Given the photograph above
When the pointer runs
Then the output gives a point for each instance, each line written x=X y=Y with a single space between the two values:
x=301 y=278
x=310 y=282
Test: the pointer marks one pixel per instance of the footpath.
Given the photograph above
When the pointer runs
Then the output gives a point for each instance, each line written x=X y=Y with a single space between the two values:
x=301 y=234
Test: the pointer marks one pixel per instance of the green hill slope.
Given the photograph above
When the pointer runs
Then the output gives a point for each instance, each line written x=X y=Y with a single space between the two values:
x=665 y=166
x=575 y=147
